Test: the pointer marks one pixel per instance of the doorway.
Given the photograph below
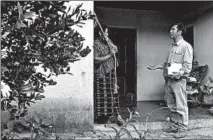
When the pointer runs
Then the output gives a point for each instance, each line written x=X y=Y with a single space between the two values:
x=125 y=40
x=189 y=35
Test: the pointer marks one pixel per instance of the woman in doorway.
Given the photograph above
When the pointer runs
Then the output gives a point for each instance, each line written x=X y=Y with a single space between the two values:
x=105 y=85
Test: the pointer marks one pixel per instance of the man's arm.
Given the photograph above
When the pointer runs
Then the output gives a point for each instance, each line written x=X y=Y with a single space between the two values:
x=187 y=61
x=160 y=67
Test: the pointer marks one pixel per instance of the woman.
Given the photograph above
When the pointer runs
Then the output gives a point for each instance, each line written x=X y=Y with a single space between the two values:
x=106 y=97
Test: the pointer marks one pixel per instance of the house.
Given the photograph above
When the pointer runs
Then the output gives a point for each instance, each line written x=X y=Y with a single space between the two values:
x=141 y=31
x=150 y=22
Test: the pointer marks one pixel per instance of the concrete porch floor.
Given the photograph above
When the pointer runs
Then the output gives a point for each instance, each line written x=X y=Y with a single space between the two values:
x=144 y=108
x=198 y=117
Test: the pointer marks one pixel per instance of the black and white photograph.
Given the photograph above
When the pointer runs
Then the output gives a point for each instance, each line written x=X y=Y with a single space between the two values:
x=101 y=70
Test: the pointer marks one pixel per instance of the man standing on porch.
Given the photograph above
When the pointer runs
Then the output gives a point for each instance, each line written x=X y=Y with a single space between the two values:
x=176 y=69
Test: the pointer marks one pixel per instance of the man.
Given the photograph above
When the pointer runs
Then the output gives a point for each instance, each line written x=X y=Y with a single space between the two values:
x=181 y=52
x=104 y=51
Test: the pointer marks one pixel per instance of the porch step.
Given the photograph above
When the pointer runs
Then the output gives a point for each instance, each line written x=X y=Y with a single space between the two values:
x=141 y=126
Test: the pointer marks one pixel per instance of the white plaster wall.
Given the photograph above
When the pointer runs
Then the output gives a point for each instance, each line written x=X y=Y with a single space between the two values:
x=203 y=37
x=70 y=102
x=153 y=43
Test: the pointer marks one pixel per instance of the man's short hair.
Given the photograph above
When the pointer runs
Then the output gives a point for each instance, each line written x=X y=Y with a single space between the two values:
x=180 y=26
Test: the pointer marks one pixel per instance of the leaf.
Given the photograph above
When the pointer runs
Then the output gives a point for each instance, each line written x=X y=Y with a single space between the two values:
x=78 y=12
x=55 y=70
x=20 y=11
x=40 y=90
x=28 y=91
x=49 y=75
x=24 y=113
x=36 y=54
x=5 y=133
x=68 y=69
x=5 y=34
x=78 y=7
x=82 y=22
x=3 y=69
x=24 y=122
x=32 y=95
x=27 y=87
x=63 y=8
x=13 y=110
x=20 y=25
x=30 y=15
x=91 y=17
x=37 y=120
x=70 y=73
x=51 y=82
x=32 y=102
x=39 y=97
x=69 y=9
x=84 y=18
x=28 y=103
x=53 y=15
x=80 y=26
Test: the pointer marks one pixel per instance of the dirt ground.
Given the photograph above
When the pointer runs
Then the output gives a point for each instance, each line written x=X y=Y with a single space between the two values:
x=199 y=133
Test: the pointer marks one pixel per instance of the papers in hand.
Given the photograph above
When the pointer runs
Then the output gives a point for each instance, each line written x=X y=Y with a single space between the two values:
x=175 y=67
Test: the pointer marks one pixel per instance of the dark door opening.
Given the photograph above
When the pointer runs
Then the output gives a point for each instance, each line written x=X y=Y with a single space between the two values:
x=189 y=35
x=104 y=104
x=125 y=39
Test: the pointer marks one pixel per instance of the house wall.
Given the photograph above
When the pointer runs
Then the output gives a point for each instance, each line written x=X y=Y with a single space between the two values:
x=69 y=104
x=203 y=41
x=153 y=43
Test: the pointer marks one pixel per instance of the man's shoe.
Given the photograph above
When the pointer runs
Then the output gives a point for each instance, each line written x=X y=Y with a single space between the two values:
x=171 y=130
x=136 y=114
x=180 y=134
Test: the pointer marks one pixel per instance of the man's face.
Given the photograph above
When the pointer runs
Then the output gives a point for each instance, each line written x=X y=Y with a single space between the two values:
x=174 y=32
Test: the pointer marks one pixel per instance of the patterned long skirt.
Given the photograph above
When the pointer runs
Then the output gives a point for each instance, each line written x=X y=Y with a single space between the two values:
x=106 y=100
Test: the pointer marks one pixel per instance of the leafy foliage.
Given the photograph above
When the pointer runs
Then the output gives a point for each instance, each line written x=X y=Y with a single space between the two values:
x=37 y=33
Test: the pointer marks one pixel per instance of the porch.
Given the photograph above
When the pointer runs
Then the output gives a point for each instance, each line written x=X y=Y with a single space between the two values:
x=199 y=117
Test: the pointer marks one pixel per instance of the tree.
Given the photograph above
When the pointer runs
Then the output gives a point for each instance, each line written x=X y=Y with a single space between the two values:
x=37 y=33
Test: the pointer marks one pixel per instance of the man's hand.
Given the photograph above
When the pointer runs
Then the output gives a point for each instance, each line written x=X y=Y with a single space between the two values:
x=176 y=75
x=151 y=68
x=158 y=67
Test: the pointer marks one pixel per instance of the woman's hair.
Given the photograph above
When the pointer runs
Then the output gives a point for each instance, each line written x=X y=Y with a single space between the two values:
x=97 y=30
